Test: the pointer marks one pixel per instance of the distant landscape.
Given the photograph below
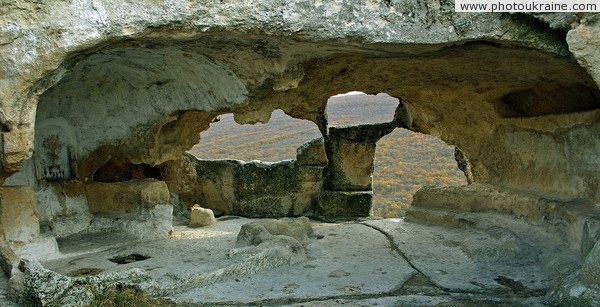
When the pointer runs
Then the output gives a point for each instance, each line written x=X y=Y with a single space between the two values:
x=404 y=161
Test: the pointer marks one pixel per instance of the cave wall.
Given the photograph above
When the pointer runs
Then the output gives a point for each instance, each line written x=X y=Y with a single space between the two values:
x=108 y=91
x=102 y=86
x=493 y=107
x=138 y=82
x=44 y=43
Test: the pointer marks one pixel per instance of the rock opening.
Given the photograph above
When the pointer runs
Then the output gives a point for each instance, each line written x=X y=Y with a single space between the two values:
x=405 y=161
x=274 y=141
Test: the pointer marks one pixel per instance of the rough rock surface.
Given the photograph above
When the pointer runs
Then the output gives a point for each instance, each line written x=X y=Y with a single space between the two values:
x=251 y=189
x=95 y=94
x=576 y=222
x=585 y=48
x=388 y=262
x=45 y=287
x=257 y=232
x=200 y=217
x=351 y=152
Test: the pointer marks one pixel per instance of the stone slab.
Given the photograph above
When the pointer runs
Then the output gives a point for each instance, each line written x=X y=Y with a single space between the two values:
x=388 y=262
x=350 y=259
x=482 y=256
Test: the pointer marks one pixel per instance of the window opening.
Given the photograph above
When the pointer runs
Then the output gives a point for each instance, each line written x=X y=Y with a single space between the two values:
x=275 y=141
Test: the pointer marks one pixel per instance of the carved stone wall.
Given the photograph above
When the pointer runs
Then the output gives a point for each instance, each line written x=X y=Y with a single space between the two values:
x=86 y=83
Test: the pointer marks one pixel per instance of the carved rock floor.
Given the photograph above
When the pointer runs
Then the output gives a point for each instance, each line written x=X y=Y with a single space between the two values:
x=386 y=262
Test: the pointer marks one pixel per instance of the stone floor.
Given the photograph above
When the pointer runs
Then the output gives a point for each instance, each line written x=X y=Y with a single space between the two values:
x=479 y=259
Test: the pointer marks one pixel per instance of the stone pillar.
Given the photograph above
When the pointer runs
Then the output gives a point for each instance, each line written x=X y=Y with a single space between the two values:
x=348 y=183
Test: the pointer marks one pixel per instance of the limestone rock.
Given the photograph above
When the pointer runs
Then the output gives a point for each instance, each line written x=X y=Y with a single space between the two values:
x=63 y=208
x=41 y=42
x=140 y=208
x=279 y=241
x=503 y=246
x=257 y=232
x=13 y=145
x=19 y=216
x=478 y=197
x=146 y=224
x=89 y=84
x=46 y=288
x=350 y=152
x=585 y=48
x=582 y=287
x=340 y=205
x=250 y=189
x=125 y=197
x=200 y=217
x=312 y=153
x=590 y=271
x=42 y=286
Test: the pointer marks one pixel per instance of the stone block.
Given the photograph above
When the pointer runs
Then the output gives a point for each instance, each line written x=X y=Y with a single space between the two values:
x=17 y=147
x=344 y=205
x=200 y=217
x=351 y=153
x=264 y=206
x=112 y=198
x=215 y=197
x=256 y=180
x=350 y=166
x=19 y=215
x=255 y=233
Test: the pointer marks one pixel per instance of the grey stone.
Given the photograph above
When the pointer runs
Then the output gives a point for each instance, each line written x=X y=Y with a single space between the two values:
x=344 y=205
x=586 y=49
x=46 y=287
x=257 y=232
x=590 y=271
x=439 y=252
x=582 y=287
x=95 y=83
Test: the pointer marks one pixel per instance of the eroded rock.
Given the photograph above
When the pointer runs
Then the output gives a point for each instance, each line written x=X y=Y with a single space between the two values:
x=257 y=232
x=582 y=287
x=46 y=288
x=109 y=90
x=251 y=189
x=278 y=241
x=200 y=217
x=334 y=205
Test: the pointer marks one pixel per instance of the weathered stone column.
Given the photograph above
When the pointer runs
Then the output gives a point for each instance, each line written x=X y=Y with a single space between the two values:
x=348 y=183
